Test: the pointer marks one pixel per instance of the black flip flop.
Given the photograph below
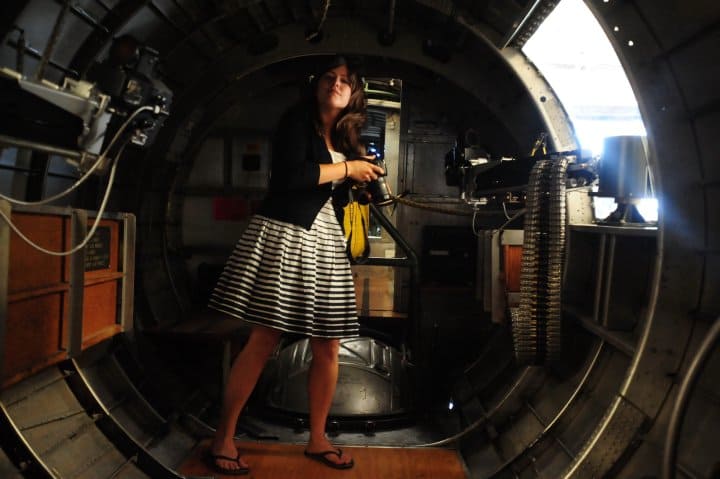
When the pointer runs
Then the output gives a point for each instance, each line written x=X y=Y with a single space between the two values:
x=322 y=457
x=211 y=460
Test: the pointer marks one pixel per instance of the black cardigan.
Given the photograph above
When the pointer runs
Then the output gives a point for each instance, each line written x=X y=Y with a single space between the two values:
x=294 y=195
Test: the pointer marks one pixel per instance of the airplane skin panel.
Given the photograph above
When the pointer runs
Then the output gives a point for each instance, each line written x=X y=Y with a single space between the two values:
x=636 y=303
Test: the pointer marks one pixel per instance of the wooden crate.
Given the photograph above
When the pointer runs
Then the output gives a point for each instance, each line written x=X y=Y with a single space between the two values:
x=39 y=289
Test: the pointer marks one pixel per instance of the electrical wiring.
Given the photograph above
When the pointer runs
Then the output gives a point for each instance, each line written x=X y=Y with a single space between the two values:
x=95 y=166
x=100 y=212
x=517 y=215
x=507 y=216
x=474 y=224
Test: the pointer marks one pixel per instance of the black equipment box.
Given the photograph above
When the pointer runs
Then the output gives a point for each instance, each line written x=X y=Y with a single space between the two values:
x=448 y=255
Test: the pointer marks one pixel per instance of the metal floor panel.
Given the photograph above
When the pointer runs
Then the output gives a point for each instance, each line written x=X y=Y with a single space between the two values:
x=46 y=438
x=127 y=419
x=59 y=430
x=85 y=456
x=113 y=388
x=481 y=456
x=130 y=472
x=7 y=468
x=519 y=433
x=48 y=416
x=173 y=448
x=119 y=396
x=22 y=397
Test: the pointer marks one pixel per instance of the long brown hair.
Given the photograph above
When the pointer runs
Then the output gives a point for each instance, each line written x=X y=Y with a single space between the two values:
x=345 y=134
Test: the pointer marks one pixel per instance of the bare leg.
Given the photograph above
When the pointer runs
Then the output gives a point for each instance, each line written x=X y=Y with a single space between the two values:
x=321 y=388
x=243 y=376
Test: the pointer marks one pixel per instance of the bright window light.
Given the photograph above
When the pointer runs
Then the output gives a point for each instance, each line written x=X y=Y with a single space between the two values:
x=576 y=58
x=648 y=208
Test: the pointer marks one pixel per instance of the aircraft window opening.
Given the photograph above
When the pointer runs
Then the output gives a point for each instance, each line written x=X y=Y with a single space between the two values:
x=589 y=80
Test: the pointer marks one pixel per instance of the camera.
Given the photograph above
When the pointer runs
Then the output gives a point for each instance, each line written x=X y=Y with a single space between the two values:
x=378 y=189
x=130 y=76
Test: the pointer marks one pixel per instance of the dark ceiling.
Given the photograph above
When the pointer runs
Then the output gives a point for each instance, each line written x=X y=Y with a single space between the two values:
x=198 y=33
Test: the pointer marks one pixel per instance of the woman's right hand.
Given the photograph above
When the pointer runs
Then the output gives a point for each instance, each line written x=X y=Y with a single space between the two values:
x=363 y=171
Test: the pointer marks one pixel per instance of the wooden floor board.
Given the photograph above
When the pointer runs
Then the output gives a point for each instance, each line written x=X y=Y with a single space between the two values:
x=272 y=461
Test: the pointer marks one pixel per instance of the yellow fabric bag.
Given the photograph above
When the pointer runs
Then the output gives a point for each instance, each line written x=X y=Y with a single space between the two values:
x=356 y=223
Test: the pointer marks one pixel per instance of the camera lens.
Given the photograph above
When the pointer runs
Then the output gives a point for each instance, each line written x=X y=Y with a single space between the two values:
x=378 y=188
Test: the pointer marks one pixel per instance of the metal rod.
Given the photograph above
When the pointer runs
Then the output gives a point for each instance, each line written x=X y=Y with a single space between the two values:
x=127 y=306
x=395 y=235
x=598 y=279
x=31 y=171
x=687 y=472
x=20 y=52
x=4 y=276
x=36 y=54
x=52 y=41
x=412 y=262
x=85 y=16
x=45 y=148
x=139 y=397
x=423 y=206
x=78 y=232
x=535 y=413
x=608 y=280
x=564 y=447
x=620 y=340
x=707 y=347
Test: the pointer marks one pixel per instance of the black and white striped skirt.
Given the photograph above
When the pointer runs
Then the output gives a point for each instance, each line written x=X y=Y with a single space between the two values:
x=285 y=277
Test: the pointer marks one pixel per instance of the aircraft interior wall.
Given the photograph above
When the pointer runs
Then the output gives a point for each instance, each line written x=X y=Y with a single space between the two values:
x=135 y=391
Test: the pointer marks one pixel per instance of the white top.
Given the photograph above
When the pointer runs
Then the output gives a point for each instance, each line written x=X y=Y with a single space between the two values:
x=336 y=157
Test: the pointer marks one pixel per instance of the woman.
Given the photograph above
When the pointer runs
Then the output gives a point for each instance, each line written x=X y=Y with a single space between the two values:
x=289 y=271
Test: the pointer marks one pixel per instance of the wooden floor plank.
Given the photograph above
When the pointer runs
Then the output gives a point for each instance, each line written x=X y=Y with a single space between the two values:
x=272 y=461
